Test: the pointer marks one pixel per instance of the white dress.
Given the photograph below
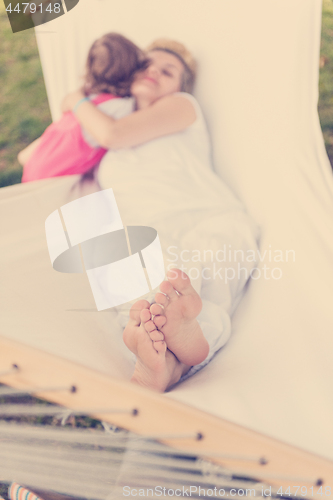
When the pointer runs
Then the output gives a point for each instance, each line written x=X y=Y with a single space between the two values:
x=168 y=184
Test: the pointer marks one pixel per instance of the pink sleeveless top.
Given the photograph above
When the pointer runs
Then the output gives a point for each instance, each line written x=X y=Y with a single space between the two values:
x=63 y=150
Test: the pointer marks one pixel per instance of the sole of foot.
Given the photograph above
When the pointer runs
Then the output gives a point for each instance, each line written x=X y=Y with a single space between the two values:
x=156 y=367
x=174 y=314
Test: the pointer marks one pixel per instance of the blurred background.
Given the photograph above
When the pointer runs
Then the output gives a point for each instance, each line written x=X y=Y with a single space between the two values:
x=24 y=109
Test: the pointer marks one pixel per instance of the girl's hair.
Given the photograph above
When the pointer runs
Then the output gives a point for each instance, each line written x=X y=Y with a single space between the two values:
x=183 y=54
x=111 y=64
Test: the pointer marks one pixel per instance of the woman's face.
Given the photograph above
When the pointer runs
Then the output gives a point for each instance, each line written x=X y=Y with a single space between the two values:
x=162 y=77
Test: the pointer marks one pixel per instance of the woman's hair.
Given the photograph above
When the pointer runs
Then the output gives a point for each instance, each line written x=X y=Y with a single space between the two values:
x=180 y=51
x=111 y=65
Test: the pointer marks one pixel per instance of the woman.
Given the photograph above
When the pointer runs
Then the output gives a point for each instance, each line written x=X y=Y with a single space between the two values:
x=159 y=167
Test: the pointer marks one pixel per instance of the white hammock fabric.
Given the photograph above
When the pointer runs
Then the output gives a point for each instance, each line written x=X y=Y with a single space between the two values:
x=257 y=85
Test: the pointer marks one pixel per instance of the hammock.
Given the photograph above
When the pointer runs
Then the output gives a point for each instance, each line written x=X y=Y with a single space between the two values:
x=204 y=453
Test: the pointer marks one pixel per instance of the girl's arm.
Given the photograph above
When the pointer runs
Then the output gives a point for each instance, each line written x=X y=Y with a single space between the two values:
x=167 y=115
x=26 y=153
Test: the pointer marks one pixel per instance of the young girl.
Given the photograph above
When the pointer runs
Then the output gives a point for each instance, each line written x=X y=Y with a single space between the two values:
x=66 y=148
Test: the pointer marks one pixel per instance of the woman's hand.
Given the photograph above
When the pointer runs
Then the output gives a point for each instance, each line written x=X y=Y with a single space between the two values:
x=68 y=103
x=167 y=115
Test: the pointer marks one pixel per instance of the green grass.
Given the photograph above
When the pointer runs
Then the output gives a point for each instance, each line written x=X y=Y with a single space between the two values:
x=24 y=110
x=325 y=78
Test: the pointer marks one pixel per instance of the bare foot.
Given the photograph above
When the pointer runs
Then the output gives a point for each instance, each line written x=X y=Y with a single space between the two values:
x=156 y=367
x=175 y=313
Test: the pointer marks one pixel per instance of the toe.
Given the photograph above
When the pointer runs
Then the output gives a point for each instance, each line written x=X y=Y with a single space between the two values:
x=145 y=315
x=155 y=335
x=167 y=288
x=160 y=346
x=162 y=299
x=159 y=321
x=180 y=282
x=156 y=309
x=150 y=326
x=136 y=309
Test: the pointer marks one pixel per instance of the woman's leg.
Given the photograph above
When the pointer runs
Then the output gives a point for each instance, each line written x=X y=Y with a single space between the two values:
x=191 y=317
x=218 y=256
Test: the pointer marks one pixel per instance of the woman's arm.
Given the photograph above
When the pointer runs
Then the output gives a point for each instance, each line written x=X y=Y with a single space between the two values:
x=167 y=115
x=26 y=153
